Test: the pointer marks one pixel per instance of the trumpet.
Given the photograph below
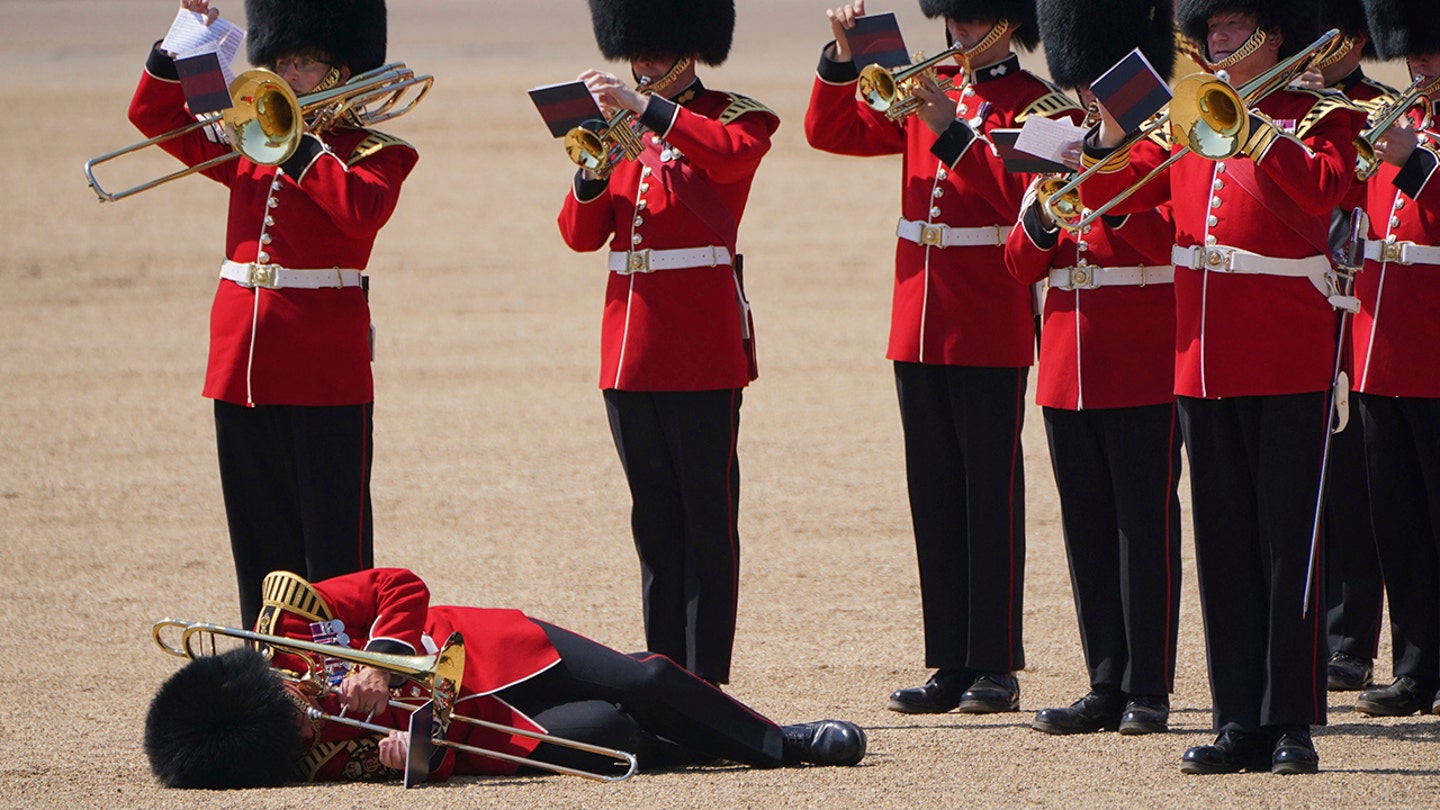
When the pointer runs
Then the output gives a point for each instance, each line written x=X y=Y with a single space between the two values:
x=598 y=146
x=1383 y=118
x=1208 y=117
x=440 y=674
x=893 y=92
x=267 y=120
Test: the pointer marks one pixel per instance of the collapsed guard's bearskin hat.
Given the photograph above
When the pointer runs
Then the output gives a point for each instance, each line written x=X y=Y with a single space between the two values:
x=1020 y=13
x=352 y=32
x=627 y=29
x=1403 y=28
x=1296 y=19
x=1349 y=17
x=220 y=722
x=1084 y=38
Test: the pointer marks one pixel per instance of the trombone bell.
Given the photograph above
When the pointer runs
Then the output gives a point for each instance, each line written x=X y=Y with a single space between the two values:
x=1208 y=117
x=264 y=124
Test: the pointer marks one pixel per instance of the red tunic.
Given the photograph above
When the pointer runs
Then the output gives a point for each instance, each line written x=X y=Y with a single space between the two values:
x=1397 y=333
x=388 y=610
x=680 y=329
x=954 y=305
x=1112 y=346
x=1241 y=334
x=290 y=346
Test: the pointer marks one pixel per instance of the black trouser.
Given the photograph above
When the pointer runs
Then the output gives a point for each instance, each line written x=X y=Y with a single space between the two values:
x=1354 y=588
x=678 y=449
x=1118 y=471
x=642 y=703
x=966 y=475
x=1254 y=478
x=296 y=482
x=1402 y=447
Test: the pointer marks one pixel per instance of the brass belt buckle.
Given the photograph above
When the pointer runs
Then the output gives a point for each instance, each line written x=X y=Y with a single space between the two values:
x=1081 y=277
x=1392 y=251
x=1219 y=259
x=932 y=235
x=638 y=261
x=263 y=275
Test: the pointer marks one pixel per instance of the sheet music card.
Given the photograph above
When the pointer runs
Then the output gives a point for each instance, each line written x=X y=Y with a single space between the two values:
x=1131 y=90
x=876 y=40
x=565 y=106
x=203 y=58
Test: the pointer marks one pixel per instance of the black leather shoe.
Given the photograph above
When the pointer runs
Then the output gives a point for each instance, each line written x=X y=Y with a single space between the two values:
x=1294 y=752
x=939 y=694
x=1092 y=713
x=1404 y=696
x=1435 y=704
x=1146 y=714
x=1232 y=752
x=823 y=742
x=1348 y=673
x=992 y=692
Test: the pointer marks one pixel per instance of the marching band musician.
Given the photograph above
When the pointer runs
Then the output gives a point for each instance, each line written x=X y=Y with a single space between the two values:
x=961 y=335
x=676 y=344
x=1354 y=589
x=230 y=722
x=1106 y=385
x=1397 y=366
x=1255 y=351
x=289 y=366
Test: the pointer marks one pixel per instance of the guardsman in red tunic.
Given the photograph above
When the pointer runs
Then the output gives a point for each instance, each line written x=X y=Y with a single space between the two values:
x=1397 y=366
x=1354 y=588
x=1107 y=387
x=519 y=672
x=961 y=335
x=290 y=331
x=1255 y=355
x=676 y=349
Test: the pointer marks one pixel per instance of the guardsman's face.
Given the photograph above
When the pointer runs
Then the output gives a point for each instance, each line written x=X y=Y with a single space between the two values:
x=968 y=32
x=1227 y=32
x=1425 y=64
x=303 y=71
x=651 y=67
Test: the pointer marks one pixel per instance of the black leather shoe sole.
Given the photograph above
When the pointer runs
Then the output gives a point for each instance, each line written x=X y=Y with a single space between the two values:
x=906 y=706
x=1064 y=721
x=1376 y=708
x=1135 y=723
x=988 y=705
x=1294 y=766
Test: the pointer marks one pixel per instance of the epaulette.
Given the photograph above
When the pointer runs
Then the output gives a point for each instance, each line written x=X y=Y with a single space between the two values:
x=362 y=760
x=1326 y=101
x=739 y=105
x=1161 y=136
x=290 y=592
x=1054 y=101
x=372 y=144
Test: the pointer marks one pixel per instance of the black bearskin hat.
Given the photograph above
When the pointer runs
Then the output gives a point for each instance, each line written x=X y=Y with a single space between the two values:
x=626 y=29
x=222 y=721
x=1349 y=17
x=1084 y=38
x=1403 y=28
x=1296 y=19
x=352 y=32
x=1020 y=13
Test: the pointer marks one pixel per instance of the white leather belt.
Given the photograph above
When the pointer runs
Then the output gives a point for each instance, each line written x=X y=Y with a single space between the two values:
x=1222 y=259
x=1402 y=253
x=648 y=261
x=944 y=236
x=274 y=277
x=1089 y=277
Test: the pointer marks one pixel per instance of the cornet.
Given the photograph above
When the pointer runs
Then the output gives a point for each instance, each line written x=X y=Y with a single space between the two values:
x=893 y=92
x=1383 y=118
x=599 y=146
x=266 y=120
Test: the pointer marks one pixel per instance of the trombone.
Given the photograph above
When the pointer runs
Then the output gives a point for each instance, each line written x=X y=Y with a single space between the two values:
x=267 y=120
x=1208 y=117
x=893 y=92
x=440 y=674
x=1417 y=94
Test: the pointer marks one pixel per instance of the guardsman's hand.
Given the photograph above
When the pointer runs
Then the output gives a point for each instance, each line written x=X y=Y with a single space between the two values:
x=936 y=109
x=394 y=750
x=842 y=19
x=201 y=7
x=613 y=94
x=1397 y=144
x=365 y=690
x=1311 y=79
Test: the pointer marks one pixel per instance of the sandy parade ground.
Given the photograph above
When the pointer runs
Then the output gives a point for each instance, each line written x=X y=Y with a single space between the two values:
x=495 y=475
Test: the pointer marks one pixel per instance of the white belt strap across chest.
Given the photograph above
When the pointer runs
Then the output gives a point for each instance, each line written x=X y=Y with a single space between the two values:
x=945 y=236
x=275 y=277
x=648 y=261
x=1089 y=277
x=1402 y=253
